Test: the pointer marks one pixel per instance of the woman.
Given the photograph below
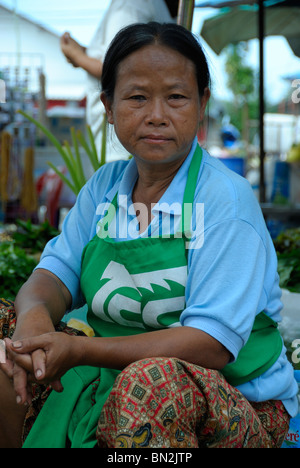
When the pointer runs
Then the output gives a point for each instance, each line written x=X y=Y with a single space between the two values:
x=187 y=351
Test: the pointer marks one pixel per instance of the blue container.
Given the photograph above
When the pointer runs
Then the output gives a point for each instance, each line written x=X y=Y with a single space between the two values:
x=281 y=183
x=235 y=164
x=292 y=439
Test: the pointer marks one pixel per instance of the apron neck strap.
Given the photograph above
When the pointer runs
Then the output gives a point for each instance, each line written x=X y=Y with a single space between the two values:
x=188 y=197
x=189 y=193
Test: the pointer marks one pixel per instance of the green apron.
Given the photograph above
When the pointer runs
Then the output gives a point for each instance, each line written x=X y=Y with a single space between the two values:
x=133 y=287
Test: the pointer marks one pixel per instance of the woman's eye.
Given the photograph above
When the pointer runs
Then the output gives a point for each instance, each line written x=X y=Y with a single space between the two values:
x=137 y=97
x=176 y=97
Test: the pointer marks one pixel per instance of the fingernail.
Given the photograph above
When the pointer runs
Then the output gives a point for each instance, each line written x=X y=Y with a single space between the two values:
x=39 y=373
x=17 y=344
x=19 y=400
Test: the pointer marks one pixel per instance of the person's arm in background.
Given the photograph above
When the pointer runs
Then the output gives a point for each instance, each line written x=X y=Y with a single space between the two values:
x=121 y=13
x=77 y=56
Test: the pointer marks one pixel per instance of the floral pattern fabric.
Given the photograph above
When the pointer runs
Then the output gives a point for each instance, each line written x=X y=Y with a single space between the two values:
x=169 y=403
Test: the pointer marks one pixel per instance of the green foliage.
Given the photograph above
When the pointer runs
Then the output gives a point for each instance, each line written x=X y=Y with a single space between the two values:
x=288 y=241
x=241 y=80
x=241 y=77
x=33 y=237
x=19 y=254
x=287 y=246
x=15 y=268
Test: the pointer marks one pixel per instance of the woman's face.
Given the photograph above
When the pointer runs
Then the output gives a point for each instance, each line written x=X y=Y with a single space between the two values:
x=156 y=109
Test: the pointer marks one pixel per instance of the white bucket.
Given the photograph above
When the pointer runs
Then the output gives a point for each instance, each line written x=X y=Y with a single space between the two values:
x=290 y=325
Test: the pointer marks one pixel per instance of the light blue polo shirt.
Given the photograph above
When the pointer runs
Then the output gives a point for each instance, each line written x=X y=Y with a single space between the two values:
x=232 y=263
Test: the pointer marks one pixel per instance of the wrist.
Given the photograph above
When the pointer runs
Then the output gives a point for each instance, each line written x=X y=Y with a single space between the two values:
x=33 y=322
x=80 y=350
x=78 y=58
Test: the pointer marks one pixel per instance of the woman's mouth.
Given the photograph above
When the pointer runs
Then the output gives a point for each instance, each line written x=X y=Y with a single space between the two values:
x=156 y=139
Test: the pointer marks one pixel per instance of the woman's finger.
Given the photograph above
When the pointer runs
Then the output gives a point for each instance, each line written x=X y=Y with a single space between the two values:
x=57 y=386
x=23 y=360
x=39 y=363
x=28 y=345
x=20 y=385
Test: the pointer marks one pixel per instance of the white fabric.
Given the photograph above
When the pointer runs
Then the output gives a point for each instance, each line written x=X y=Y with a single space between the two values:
x=120 y=13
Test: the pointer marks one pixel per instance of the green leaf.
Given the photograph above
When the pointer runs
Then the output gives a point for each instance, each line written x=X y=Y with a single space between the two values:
x=88 y=151
x=80 y=172
x=48 y=134
x=74 y=164
x=63 y=177
x=104 y=138
x=93 y=146
x=72 y=167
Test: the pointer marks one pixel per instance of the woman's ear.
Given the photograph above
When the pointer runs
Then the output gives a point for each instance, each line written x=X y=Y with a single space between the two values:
x=108 y=107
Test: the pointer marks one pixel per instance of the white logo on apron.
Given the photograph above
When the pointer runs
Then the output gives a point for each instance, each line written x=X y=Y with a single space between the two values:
x=119 y=277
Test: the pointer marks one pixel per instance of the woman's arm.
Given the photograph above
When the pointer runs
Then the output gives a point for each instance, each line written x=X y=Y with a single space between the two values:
x=40 y=304
x=64 y=351
x=185 y=343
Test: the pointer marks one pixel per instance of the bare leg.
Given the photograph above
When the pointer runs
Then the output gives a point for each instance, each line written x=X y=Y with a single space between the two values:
x=11 y=415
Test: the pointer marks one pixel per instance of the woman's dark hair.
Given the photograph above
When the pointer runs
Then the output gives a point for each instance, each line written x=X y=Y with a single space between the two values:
x=173 y=6
x=134 y=37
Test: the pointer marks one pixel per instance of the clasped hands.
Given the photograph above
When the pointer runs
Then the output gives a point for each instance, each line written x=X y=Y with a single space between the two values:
x=42 y=359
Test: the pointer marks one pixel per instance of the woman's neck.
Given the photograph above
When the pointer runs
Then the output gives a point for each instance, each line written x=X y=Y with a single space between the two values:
x=153 y=180
x=151 y=184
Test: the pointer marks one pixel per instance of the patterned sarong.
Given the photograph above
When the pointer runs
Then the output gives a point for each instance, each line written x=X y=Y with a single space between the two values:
x=169 y=403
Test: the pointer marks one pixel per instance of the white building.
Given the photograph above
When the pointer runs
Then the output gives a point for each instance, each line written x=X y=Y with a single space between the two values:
x=28 y=45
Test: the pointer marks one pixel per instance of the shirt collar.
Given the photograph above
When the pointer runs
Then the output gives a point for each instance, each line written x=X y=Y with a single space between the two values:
x=172 y=199
x=125 y=183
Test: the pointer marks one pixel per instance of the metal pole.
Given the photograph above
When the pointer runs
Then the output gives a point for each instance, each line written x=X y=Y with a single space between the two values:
x=261 y=33
x=186 y=13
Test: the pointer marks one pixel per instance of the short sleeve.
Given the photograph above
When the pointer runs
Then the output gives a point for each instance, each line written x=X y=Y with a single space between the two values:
x=225 y=283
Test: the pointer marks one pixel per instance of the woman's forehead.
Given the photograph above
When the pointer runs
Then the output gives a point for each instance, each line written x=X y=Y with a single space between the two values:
x=155 y=59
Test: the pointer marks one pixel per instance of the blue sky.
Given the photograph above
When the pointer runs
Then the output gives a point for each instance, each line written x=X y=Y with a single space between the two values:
x=81 y=19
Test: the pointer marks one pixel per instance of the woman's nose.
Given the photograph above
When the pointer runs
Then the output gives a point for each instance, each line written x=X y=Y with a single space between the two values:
x=157 y=114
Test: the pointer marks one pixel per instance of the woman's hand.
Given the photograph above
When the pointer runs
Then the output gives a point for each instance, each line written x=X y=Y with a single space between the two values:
x=52 y=355
x=24 y=375
x=18 y=376
x=40 y=304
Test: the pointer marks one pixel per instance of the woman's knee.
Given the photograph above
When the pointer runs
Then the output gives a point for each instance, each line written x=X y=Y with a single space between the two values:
x=154 y=368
